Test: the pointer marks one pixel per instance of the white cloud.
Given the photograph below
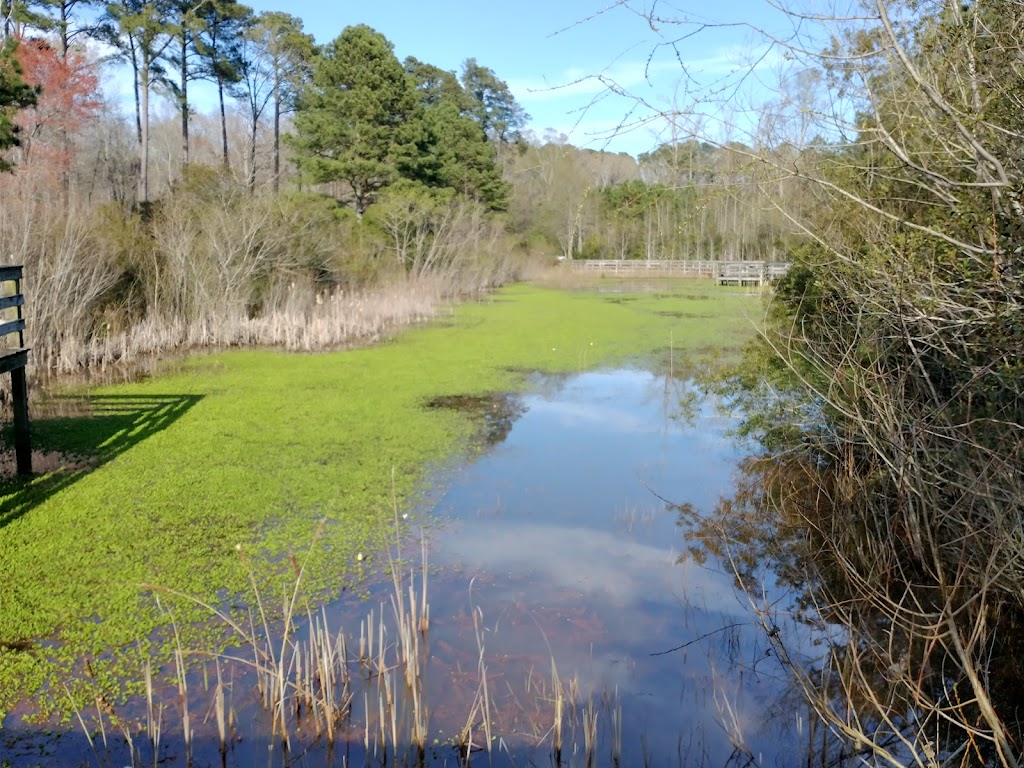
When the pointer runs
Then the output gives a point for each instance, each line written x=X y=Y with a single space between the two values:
x=574 y=413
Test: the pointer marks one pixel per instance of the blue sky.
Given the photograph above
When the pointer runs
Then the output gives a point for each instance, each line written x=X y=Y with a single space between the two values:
x=553 y=52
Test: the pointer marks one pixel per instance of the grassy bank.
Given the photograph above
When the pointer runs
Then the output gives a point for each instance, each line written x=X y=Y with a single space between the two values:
x=170 y=476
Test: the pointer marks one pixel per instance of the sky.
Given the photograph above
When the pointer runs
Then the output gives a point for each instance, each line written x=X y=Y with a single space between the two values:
x=560 y=56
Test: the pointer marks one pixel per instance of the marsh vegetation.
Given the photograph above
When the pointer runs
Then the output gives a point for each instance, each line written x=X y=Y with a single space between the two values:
x=235 y=473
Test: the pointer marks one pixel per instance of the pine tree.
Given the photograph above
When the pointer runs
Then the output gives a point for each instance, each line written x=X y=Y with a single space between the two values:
x=454 y=152
x=358 y=119
x=276 y=63
x=15 y=94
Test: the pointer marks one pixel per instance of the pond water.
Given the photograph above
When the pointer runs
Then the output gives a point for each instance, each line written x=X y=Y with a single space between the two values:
x=566 y=539
x=558 y=556
x=555 y=575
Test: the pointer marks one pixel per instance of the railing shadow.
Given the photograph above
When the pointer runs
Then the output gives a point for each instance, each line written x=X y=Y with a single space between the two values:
x=73 y=436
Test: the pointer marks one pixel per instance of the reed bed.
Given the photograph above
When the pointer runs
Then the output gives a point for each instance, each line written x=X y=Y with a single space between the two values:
x=319 y=688
x=301 y=321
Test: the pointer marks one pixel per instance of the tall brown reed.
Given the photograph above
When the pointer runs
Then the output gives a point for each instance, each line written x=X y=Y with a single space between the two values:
x=307 y=688
x=590 y=714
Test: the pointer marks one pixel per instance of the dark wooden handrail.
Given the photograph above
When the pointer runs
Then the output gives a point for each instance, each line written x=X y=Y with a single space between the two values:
x=14 y=360
x=11 y=273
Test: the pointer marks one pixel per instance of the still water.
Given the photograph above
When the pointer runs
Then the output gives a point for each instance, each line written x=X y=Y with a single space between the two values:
x=565 y=541
x=556 y=574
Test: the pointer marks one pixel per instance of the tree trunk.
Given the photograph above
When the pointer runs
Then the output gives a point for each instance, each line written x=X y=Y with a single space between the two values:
x=65 y=139
x=10 y=25
x=277 y=130
x=142 y=90
x=138 y=101
x=183 y=64
x=223 y=121
x=252 y=156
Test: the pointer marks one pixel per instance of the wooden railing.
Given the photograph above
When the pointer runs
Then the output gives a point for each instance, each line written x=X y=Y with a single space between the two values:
x=725 y=272
x=670 y=267
x=14 y=359
x=750 y=272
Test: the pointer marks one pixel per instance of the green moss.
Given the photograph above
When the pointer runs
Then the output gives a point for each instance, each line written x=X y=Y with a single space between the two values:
x=254 y=448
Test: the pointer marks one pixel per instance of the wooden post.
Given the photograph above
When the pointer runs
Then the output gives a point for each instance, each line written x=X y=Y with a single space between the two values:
x=22 y=440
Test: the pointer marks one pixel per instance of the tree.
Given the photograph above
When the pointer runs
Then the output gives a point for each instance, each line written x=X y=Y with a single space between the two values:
x=59 y=16
x=358 y=119
x=645 y=217
x=889 y=377
x=277 y=63
x=139 y=32
x=63 y=18
x=182 y=23
x=220 y=43
x=15 y=16
x=559 y=190
x=494 y=107
x=453 y=152
x=67 y=97
x=15 y=94
x=437 y=86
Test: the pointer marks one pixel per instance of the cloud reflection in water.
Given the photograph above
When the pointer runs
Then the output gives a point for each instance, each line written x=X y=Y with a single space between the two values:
x=564 y=531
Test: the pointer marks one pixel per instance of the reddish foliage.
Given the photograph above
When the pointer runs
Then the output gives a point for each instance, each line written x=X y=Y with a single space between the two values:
x=68 y=98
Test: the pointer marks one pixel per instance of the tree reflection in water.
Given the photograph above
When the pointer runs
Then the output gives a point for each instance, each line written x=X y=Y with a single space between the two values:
x=913 y=656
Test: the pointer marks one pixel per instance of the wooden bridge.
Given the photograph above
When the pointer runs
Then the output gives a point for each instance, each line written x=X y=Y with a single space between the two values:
x=750 y=272
x=13 y=360
x=724 y=272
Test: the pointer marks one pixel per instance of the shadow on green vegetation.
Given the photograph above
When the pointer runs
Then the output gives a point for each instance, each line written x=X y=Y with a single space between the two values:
x=74 y=435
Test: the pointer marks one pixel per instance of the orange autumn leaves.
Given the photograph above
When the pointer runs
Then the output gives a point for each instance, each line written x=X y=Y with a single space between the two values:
x=68 y=98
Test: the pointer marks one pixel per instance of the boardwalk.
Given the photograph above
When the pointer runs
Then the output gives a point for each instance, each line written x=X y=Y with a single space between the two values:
x=750 y=272
x=724 y=272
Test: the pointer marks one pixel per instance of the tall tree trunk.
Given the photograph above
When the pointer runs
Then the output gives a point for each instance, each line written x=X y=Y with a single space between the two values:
x=64 y=38
x=10 y=27
x=138 y=101
x=277 y=130
x=223 y=121
x=65 y=139
x=143 y=92
x=183 y=65
x=252 y=157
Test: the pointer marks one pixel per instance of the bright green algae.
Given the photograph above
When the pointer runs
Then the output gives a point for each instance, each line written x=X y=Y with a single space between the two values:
x=256 y=448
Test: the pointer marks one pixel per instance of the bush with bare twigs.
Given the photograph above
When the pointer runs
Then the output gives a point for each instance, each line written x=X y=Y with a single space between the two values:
x=887 y=391
x=215 y=264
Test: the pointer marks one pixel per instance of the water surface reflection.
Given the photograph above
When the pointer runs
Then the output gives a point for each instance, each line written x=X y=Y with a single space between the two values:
x=563 y=538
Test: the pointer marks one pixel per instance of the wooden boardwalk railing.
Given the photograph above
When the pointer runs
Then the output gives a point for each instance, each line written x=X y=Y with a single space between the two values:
x=750 y=272
x=14 y=359
x=725 y=272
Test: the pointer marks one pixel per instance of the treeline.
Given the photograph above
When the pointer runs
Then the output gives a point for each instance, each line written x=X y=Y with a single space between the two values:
x=320 y=171
x=326 y=179
x=685 y=200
